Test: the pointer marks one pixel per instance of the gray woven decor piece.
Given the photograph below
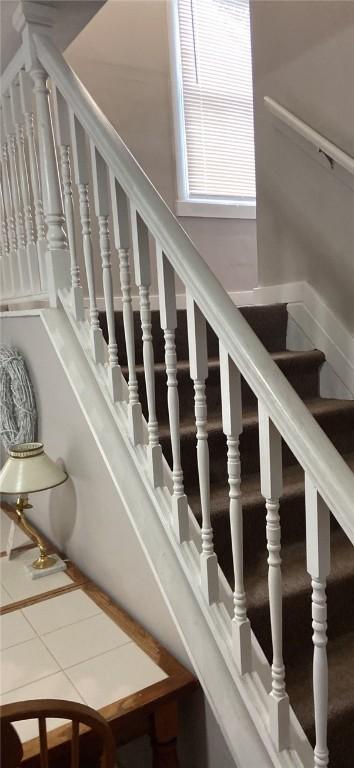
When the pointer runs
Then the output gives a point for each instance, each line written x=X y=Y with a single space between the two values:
x=18 y=412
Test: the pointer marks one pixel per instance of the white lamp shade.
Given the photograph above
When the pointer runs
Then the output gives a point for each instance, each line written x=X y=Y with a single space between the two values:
x=28 y=469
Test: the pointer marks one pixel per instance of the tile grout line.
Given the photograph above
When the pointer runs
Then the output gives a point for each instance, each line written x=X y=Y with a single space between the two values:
x=96 y=656
x=62 y=669
x=71 y=623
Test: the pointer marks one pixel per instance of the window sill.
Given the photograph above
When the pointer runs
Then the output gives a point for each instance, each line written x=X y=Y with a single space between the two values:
x=216 y=209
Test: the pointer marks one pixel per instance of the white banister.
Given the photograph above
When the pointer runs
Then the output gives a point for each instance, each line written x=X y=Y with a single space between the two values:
x=81 y=172
x=31 y=248
x=62 y=124
x=198 y=361
x=168 y=320
x=15 y=194
x=121 y=229
x=141 y=256
x=231 y=401
x=315 y=138
x=8 y=287
x=318 y=566
x=100 y=189
x=57 y=256
x=26 y=88
x=10 y=222
x=309 y=444
x=270 y=452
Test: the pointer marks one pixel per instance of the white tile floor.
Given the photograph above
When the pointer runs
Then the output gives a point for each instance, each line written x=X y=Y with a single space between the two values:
x=66 y=647
x=60 y=611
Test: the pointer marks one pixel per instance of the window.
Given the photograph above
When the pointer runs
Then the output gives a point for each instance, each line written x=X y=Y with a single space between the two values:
x=213 y=105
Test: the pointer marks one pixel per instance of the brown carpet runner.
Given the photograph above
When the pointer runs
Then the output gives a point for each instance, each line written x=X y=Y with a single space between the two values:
x=336 y=417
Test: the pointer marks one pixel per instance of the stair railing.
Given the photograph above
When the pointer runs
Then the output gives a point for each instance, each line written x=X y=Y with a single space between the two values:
x=143 y=225
x=23 y=236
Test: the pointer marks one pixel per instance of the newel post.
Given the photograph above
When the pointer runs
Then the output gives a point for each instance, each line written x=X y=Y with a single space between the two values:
x=31 y=18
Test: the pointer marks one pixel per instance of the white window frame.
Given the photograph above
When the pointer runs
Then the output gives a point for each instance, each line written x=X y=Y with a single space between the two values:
x=185 y=205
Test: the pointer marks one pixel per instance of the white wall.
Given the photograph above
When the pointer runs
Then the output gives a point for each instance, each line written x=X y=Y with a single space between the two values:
x=304 y=58
x=122 y=57
x=86 y=518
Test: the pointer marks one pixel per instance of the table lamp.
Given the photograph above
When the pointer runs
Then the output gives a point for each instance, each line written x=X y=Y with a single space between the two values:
x=28 y=470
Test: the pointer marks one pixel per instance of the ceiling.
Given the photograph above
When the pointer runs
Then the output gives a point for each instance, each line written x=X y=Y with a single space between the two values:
x=72 y=17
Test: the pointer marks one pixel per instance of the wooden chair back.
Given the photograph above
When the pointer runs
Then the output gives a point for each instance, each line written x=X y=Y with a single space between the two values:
x=41 y=709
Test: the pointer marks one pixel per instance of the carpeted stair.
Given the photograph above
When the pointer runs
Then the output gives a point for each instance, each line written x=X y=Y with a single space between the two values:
x=336 y=417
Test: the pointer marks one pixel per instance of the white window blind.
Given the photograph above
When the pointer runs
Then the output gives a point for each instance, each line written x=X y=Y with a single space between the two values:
x=217 y=98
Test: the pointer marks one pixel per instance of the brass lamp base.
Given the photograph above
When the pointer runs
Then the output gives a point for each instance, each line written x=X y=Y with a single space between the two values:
x=45 y=567
x=45 y=561
x=45 y=564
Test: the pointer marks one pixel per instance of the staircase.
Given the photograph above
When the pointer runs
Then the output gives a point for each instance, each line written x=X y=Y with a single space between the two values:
x=234 y=395
x=336 y=418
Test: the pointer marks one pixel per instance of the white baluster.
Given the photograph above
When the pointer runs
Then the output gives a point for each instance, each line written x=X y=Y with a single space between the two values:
x=232 y=427
x=15 y=194
x=31 y=248
x=8 y=287
x=10 y=221
x=270 y=451
x=100 y=187
x=168 y=319
x=57 y=256
x=61 y=113
x=26 y=88
x=120 y=213
x=198 y=361
x=142 y=279
x=318 y=566
x=81 y=172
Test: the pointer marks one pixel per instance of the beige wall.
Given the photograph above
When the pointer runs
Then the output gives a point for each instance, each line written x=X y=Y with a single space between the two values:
x=123 y=59
x=304 y=58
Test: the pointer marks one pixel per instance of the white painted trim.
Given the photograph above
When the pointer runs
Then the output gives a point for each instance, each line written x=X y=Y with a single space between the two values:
x=177 y=101
x=329 y=335
x=282 y=293
x=216 y=209
x=320 y=325
x=21 y=312
x=321 y=143
x=39 y=299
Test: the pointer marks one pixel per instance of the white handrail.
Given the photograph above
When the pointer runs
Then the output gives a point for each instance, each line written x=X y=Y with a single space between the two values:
x=315 y=452
x=313 y=137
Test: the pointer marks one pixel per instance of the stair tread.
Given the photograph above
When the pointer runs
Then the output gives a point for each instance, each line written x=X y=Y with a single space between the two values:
x=318 y=406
